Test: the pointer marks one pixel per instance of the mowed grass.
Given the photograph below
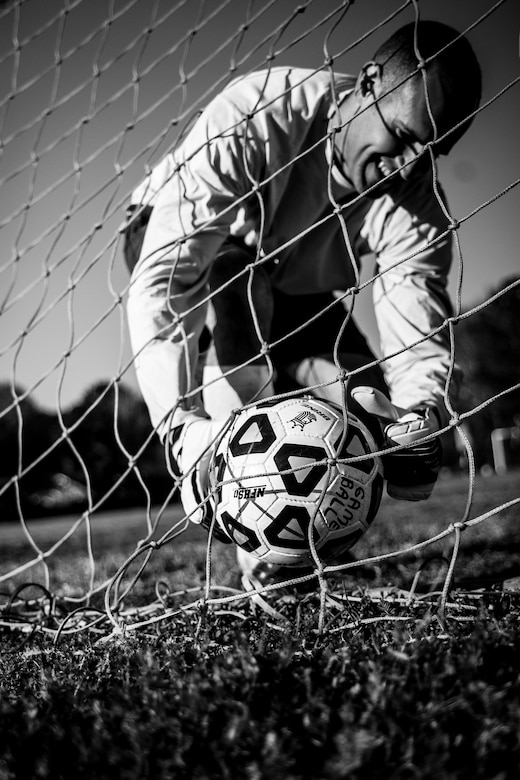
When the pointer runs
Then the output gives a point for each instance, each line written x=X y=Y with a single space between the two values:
x=227 y=692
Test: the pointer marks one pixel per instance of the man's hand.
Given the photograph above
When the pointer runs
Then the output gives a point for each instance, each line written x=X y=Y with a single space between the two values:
x=411 y=473
x=193 y=444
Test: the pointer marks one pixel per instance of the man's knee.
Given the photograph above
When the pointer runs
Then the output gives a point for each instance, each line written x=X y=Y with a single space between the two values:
x=322 y=373
x=363 y=372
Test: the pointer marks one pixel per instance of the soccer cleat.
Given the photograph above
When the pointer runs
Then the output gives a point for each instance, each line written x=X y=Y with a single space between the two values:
x=255 y=574
x=270 y=574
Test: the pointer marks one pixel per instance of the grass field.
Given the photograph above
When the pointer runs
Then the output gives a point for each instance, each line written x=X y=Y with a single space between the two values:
x=227 y=692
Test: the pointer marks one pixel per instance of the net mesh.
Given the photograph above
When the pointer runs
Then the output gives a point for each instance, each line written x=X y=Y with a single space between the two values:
x=91 y=98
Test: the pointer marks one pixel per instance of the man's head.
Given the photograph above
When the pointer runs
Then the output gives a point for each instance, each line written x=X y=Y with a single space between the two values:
x=423 y=81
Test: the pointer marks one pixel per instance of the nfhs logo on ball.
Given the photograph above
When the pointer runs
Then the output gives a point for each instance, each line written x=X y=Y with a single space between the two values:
x=302 y=419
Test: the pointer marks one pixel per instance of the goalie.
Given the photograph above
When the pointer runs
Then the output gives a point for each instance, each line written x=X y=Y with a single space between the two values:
x=239 y=240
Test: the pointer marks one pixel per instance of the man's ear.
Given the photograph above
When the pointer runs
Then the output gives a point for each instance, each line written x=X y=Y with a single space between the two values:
x=369 y=80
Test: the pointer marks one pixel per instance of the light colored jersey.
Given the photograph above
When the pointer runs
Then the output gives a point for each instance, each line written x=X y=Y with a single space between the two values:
x=257 y=164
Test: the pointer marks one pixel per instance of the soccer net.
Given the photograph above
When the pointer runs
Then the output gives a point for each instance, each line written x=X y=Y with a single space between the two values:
x=92 y=97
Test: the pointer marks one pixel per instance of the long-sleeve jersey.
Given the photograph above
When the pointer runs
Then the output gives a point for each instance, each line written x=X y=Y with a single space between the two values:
x=258 y=164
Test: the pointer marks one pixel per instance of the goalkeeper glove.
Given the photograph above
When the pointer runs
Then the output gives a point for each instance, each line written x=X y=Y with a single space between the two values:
x=193 y=444
x=411 y=472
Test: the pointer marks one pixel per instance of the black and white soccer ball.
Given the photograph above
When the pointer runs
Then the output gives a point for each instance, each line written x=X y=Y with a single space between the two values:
x=281 y=475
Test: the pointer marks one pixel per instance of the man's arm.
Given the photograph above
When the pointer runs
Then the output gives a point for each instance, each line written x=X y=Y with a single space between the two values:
x=411 y=299
x=192 y=213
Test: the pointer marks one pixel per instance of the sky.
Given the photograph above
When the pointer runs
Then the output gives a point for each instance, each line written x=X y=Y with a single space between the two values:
x=91 y=93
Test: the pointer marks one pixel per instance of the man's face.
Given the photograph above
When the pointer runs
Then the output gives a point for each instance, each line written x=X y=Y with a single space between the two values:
x=387 y=132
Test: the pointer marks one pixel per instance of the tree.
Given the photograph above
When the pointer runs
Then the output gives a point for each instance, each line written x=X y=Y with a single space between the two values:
x=26 y=433
x=113 y=423
x=488 y=351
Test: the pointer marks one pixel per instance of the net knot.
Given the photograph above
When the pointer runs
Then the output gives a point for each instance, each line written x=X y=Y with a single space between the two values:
x=455 y=418
x=458 y=526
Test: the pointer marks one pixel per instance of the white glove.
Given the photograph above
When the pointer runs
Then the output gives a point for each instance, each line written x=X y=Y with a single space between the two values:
x=192 y=448
x=411 y=473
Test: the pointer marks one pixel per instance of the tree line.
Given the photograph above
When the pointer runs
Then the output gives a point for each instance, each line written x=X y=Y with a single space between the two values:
x=488 y=351
x=53 y=463
x=83 y=455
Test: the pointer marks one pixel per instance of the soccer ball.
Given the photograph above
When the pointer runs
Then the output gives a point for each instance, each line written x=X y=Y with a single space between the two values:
x=278 y=477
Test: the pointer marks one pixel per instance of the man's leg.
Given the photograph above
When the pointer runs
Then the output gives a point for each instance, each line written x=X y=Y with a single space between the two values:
x=236 y=372
x=324 y=379
x=305 y=359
